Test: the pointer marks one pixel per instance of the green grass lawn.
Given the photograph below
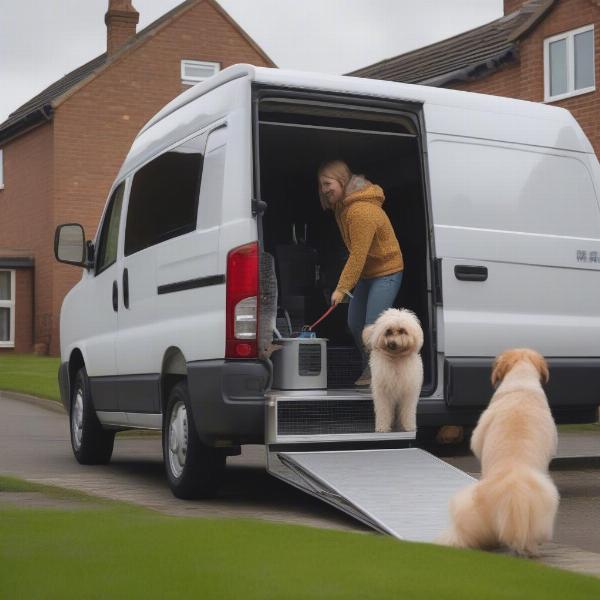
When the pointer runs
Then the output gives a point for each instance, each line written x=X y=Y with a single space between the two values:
x=593 y=427
x=30 y=374
x=125 y=552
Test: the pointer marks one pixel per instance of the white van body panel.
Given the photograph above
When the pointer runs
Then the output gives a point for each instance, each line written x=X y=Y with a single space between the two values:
x=525 y=213
x=92 y=330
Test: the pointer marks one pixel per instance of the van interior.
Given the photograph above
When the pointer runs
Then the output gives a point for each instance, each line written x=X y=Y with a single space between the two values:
x=294 y=138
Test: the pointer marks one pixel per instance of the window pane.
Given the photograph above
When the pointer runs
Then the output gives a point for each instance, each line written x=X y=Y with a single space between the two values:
x=198 y=71
x=5 y=291
x=163 y=202
x=584 y=60
x=558 y=67
x=4 y=324
x=107 y=250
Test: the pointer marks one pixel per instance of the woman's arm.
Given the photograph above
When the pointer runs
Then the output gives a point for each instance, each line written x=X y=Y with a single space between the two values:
x=362 y=223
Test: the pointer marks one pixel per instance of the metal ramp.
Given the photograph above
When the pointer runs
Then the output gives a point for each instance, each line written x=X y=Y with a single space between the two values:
x=403 y=492
x=312 y=440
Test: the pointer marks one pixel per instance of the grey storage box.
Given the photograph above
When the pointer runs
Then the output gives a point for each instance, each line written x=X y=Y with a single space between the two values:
x=301 y=364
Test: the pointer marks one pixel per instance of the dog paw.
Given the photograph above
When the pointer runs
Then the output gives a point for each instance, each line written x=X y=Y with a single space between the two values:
x=381 y=429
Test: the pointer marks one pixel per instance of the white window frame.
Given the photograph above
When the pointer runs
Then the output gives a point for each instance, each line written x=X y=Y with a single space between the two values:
x=569 y=36
x=186 y=80
x=10 y=304
x=1 y=169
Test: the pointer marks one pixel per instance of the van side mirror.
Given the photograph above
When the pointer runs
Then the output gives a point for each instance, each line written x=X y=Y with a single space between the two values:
x=70 y=246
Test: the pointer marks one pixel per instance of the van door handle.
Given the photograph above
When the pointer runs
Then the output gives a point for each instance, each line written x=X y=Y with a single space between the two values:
x=126 y=288
x=115 y=296
x=470 y=273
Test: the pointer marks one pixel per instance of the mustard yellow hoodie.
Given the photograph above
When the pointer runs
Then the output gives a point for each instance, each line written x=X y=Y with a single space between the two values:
x=368 y=235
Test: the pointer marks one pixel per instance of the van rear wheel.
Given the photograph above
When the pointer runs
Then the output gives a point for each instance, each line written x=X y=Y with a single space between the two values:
x=92 y=445
x=194 y=470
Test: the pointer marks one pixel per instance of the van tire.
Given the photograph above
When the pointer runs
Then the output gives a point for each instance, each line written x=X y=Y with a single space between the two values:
x=92 y=445
x=194 y=470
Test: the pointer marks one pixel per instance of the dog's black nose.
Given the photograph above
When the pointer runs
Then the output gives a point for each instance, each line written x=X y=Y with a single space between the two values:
x=392 y=345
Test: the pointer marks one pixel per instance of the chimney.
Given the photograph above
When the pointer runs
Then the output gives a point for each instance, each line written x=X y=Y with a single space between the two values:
x=511 y=6
x=120 y=20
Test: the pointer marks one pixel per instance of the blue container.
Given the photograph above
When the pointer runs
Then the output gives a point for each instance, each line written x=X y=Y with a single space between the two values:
x=307 y=334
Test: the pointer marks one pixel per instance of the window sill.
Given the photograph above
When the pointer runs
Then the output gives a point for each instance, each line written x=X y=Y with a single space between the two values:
x=189 y=82
x=7 y=345
x=549 y=100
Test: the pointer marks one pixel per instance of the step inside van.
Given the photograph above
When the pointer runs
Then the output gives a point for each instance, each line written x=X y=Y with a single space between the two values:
x=214 y=254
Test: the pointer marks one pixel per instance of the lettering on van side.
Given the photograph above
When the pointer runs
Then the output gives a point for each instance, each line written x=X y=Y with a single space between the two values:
x=588 y=257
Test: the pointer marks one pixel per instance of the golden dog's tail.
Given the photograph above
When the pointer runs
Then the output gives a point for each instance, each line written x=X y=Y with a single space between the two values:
x=526 y=504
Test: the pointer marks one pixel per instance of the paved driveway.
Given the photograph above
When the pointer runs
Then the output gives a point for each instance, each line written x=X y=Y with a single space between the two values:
x=34 y=444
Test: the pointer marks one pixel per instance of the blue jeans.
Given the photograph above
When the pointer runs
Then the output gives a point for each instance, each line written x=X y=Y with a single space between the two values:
x=371 y=298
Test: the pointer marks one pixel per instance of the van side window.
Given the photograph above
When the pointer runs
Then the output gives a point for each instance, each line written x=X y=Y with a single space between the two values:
x=106 y=253
x=163 y=202
x=211 y=190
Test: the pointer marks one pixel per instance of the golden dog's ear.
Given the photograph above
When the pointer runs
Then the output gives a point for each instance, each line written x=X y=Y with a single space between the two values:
x=497 y=372
x=539 y=362
x=502 y=365
x=367 y=333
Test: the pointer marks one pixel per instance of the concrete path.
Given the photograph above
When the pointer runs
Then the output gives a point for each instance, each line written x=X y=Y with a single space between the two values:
x=34 y=445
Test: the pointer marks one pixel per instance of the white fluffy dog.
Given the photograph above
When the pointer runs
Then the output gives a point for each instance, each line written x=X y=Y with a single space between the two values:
x=394 y=342
x=515 y=501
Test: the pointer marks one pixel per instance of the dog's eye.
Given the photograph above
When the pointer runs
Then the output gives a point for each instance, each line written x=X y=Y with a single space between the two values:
x=388 y=332
x=402 y=331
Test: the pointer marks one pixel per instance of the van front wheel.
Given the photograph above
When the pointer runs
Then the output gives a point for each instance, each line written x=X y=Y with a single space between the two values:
x=193 y=469
x=92 y=445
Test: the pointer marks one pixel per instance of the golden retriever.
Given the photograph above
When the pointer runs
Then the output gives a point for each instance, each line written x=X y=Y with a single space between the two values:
x=515 y=501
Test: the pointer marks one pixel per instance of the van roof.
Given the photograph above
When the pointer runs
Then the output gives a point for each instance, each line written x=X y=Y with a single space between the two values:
x=554 y=122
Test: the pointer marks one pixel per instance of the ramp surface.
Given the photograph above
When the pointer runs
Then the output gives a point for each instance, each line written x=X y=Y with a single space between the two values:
x=402 y=492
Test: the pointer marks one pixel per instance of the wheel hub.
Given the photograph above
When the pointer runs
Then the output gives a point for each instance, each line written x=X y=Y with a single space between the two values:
x=178 y=439
x=77 y=419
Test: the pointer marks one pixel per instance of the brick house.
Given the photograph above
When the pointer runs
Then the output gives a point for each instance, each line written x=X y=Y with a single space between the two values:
x=60 y=152
x=540 y=50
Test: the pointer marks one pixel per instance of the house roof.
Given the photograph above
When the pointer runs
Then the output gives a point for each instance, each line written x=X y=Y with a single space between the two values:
x=467 y=56
x=40 y=108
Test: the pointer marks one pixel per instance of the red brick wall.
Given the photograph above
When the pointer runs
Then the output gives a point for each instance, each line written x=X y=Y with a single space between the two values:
x=26 y=214
x=94 y=128
x=525 y=79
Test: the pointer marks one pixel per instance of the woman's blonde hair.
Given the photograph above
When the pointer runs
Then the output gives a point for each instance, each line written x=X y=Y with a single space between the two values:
x=334 y=169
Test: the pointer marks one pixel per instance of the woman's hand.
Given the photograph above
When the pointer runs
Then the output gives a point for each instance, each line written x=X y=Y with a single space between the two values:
x=337 y=297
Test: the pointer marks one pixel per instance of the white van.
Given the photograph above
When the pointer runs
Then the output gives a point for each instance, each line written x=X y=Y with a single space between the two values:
x=213 y=243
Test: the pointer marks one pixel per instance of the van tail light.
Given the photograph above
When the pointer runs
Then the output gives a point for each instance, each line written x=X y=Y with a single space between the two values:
x=242 y=302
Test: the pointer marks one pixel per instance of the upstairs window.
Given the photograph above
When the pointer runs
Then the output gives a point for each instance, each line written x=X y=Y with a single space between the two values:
x=569 y=64
x=194 y=71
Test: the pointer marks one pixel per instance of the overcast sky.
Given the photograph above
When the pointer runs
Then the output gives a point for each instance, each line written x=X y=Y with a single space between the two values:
x=40 y=41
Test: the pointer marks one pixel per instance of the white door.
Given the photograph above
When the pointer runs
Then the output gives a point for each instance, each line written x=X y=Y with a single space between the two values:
x=161 y=214
x=98 y=321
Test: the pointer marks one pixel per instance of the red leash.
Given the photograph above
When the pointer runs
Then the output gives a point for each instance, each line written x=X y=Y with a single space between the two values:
x=325 y=314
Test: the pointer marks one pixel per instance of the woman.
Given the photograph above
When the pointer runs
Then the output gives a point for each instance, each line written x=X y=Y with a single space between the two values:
x=374 y=266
